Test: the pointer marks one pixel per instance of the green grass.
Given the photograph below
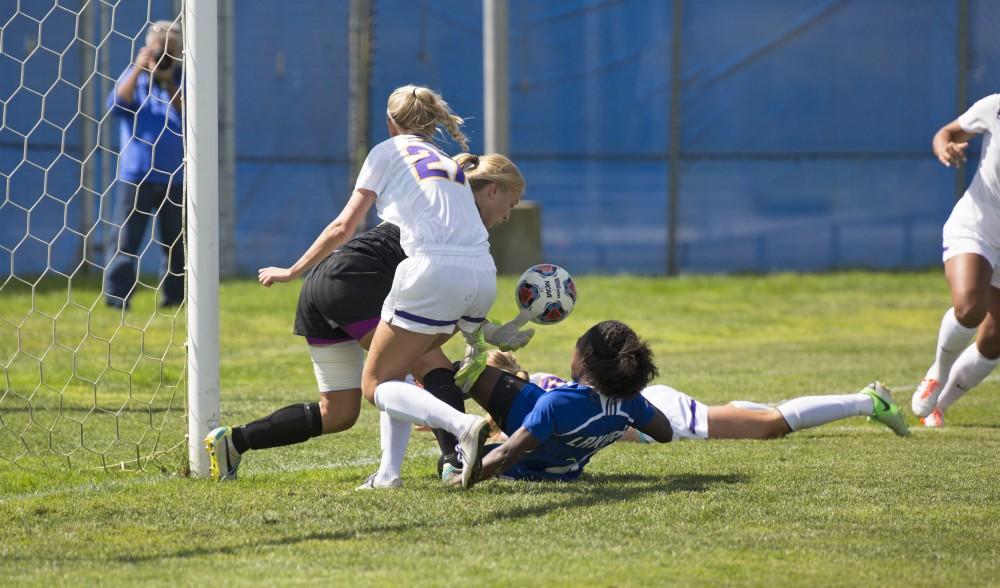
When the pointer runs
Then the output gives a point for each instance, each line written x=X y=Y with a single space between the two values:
x=846 y=504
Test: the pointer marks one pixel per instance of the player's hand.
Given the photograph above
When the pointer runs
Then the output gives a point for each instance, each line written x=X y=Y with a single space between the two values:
x=952 y=154
x=509 y=336
x=144 y=59
x=272 y=275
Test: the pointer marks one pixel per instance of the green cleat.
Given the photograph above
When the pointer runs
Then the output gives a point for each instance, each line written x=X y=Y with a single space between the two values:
x=884 y=410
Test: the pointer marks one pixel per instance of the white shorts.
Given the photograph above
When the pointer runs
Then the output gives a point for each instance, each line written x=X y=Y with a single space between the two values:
x=972 y=228
x=688 y=417
x=338 y=366
x=434 y=293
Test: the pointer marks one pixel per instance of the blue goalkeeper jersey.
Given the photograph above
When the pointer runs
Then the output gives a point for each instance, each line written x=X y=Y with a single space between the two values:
x=571 y=424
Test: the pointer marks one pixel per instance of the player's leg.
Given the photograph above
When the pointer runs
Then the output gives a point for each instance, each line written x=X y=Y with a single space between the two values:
x=734 y=422
x=968 y=276
x=975 y=363
x=338 y=376
x=437 y=374
x=393 y=351
x=874 y=401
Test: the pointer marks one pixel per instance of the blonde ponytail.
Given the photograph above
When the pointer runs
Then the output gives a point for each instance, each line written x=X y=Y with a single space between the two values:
x=422 y=111
x=491 y=168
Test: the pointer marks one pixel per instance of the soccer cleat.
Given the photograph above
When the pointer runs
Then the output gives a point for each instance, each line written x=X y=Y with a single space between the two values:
x=934 y=420
x=884 y=410
x=371 y=484
x=474 y=362
x=471 y=450
x=451 y=474
x=925 y=397
x=223 y=458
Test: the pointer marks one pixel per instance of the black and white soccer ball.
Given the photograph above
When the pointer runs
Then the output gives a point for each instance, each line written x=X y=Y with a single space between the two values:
x=547 y=292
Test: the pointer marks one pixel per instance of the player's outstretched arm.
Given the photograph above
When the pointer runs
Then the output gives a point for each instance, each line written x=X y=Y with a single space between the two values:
x=658 y=427
x=950 y=142
x=333 y=236
x=509 y=453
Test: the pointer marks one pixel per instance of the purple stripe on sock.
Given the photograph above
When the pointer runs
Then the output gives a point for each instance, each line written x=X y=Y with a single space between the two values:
x=359 y=329
x=473 y=319
x=321 y=341
x=694 y=405
x=424 y=320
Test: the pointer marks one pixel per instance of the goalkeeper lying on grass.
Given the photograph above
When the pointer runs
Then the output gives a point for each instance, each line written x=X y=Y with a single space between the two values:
x=552 y=435
x=691 y=419
x=541 y=416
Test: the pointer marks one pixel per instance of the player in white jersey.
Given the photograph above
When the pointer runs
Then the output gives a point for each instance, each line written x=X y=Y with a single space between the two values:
x=447 y=281
x=691 y=419
x=972 y=266
x=338 y=310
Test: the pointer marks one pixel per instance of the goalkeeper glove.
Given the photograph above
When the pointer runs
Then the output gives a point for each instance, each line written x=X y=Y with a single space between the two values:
x=509 y=336
x=474 y=362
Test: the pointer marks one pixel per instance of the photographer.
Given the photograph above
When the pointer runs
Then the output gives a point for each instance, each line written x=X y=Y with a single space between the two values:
x=148 y=105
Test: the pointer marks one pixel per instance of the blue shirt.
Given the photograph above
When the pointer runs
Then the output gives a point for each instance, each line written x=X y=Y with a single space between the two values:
x=571 y=424
x=150 y=132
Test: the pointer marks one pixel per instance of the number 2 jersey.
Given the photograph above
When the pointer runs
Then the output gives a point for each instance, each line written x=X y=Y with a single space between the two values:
x=426 y=194
x=571 y=424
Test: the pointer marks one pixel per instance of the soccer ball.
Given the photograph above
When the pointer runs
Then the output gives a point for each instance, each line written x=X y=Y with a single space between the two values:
x=546 y=291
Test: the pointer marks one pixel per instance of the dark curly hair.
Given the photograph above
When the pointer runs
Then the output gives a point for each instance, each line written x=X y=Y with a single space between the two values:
x=615 y=360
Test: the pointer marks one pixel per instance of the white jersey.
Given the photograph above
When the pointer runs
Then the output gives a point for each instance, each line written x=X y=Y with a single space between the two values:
x=984 y=117
x=974 y=224
x=426 y=194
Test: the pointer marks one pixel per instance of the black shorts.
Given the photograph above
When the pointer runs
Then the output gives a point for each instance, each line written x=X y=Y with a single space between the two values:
x=341 y=297
x=505 y=392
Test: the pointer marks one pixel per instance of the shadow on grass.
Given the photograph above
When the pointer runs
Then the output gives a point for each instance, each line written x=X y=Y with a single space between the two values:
x=593 y=490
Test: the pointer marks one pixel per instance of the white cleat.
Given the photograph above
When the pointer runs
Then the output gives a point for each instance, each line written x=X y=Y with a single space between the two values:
x=471 y=449
x=925 y=397
x=935 y=420
x=371 y=484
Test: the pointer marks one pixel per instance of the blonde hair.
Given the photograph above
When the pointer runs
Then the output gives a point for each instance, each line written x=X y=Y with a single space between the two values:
x=422 y=111
x=166 y=30
x=491 y=168
x=505 y=361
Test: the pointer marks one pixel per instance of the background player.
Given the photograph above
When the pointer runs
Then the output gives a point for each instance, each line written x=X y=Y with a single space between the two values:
x=971 y=243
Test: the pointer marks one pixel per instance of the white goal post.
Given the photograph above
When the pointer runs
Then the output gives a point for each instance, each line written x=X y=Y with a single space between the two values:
x=201 y=154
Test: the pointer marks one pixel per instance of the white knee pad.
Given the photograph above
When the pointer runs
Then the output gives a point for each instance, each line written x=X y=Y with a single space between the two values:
x=338 y=366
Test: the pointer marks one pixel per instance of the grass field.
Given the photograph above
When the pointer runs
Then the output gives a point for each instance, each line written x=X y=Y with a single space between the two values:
x=846 y=504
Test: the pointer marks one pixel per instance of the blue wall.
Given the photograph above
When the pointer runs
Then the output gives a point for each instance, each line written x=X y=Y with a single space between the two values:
x=804 y=132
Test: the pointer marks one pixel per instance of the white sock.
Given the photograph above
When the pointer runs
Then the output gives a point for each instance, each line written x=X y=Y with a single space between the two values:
x=395 y=436
x=813 y=411
x=415 y=405
x=952 y=339
x=970 y=369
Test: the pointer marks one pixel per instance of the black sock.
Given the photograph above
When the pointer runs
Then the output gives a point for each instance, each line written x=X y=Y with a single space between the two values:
x=441 y=383
x=292 y=424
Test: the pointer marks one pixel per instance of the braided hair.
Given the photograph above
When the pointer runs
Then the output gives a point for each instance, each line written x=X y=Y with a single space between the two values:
x=615 y=360
x=423 y=111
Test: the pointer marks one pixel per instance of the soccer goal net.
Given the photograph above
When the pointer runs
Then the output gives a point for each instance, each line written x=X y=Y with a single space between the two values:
x=93 y=301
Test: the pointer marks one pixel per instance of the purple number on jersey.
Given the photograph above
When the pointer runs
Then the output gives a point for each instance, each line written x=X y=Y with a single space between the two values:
x=428 y=157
